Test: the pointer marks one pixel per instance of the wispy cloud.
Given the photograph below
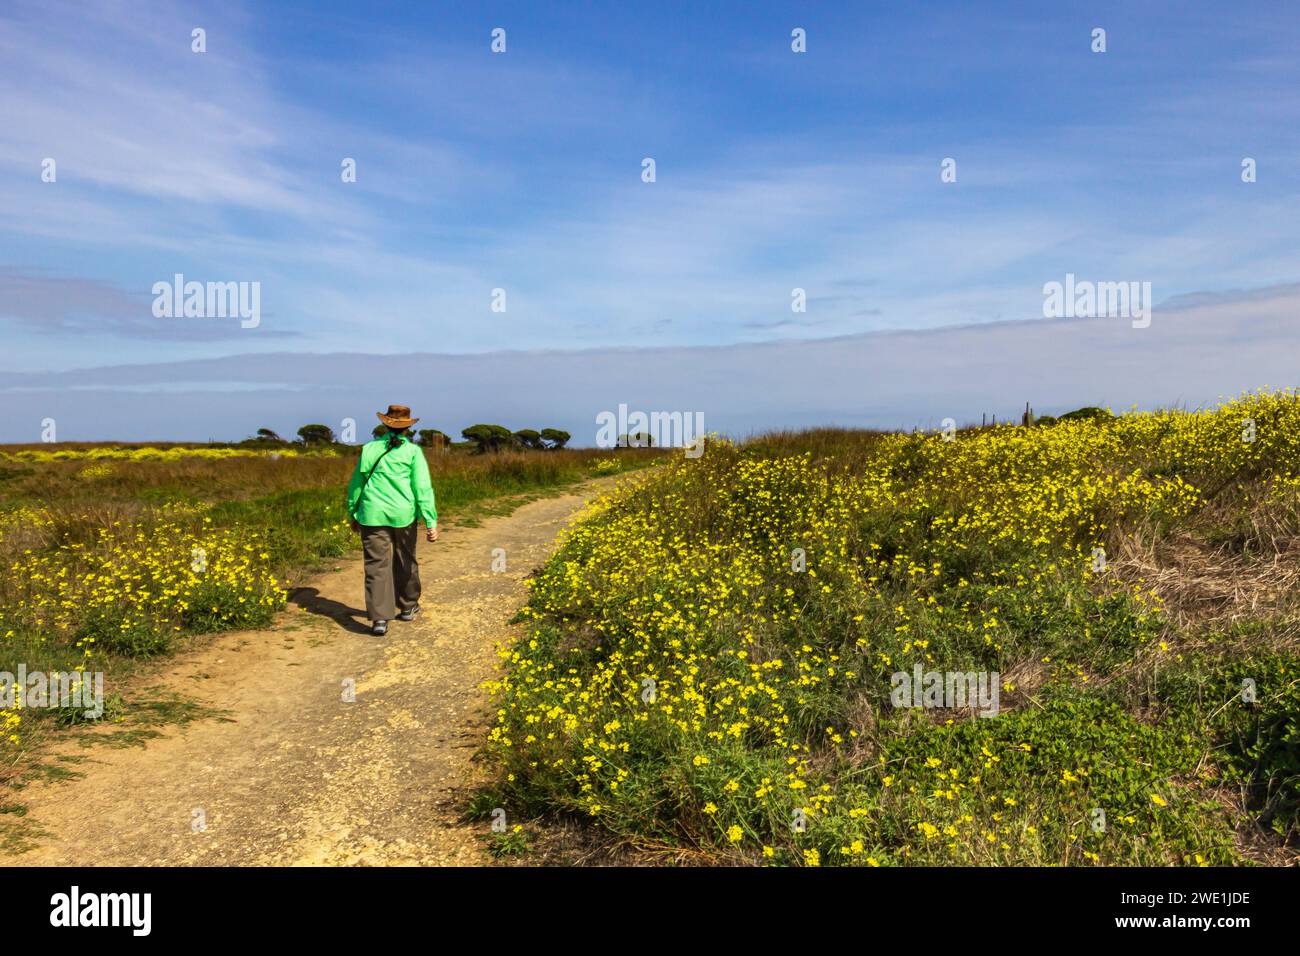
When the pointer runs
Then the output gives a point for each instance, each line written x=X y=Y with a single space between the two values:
x=522 y=172
x=1215 y=347
x=95 y=309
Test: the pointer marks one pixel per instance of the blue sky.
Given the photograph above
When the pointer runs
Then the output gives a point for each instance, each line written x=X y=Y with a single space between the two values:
x=522 y=170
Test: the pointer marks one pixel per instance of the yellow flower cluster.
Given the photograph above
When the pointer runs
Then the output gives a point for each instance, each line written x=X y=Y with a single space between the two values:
x=151 y=453
x=128 y=586
x=140 y=576
x=706 y=648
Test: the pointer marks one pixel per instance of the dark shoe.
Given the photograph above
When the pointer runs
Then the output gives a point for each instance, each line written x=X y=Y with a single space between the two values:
x=409 y=613
x=379 y=628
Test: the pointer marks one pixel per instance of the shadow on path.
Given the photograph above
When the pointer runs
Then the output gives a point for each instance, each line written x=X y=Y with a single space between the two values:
x=310 y=599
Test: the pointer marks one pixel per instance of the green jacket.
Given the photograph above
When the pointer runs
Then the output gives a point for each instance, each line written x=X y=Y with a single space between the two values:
x=398 y=491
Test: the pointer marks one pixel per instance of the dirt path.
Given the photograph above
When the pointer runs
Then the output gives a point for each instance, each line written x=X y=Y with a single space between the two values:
x=291 y=773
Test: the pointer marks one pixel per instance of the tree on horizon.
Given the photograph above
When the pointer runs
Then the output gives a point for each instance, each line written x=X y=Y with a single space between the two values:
x=316 y=435
x=554 y=438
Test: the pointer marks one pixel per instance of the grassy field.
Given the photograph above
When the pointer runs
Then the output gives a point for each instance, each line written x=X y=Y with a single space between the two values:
x=711 y=660
x=114 y=554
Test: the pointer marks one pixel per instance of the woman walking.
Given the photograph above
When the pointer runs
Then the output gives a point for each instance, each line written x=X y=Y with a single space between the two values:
x=389 y=491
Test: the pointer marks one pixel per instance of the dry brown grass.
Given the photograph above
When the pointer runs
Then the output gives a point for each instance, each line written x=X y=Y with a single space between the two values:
x=1210 y=589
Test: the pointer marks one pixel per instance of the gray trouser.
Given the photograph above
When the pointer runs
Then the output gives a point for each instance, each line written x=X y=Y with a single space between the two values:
x=392 y=573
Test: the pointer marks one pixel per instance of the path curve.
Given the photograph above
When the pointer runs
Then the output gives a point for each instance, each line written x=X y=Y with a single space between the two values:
x=291 y=774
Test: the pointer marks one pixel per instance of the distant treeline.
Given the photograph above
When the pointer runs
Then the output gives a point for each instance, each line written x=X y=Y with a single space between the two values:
x=478 y=438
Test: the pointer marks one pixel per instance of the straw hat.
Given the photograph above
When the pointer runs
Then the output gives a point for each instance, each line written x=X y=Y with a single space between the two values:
x=397 y=416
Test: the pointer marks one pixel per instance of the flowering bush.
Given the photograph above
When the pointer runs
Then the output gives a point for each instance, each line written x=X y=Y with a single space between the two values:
x=127 y=587
x=709 y=656
x=150 y=453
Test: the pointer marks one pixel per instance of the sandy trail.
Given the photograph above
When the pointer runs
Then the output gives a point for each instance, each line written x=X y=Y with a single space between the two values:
x=291 y=773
